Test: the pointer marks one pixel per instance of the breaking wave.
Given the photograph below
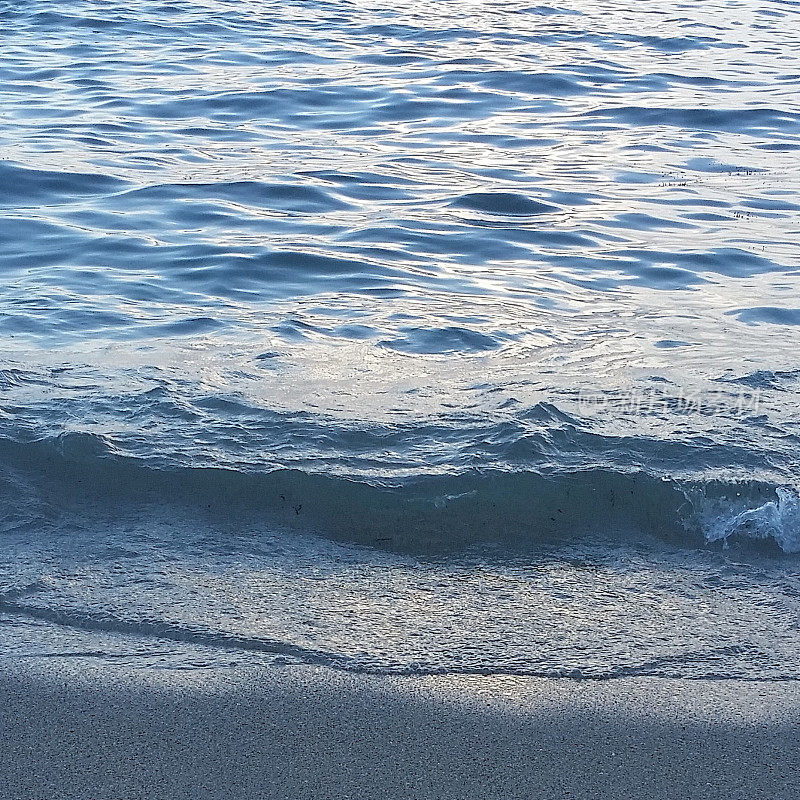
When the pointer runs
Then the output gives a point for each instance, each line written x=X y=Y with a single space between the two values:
x=424 y=512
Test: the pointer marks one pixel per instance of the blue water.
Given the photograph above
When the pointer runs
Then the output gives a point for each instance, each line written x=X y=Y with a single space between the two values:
x=402 y=337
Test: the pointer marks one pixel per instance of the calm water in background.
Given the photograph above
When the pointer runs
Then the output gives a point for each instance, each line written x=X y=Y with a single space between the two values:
x=408 y=337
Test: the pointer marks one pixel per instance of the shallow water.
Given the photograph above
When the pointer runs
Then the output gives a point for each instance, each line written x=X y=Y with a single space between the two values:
x=444 y=336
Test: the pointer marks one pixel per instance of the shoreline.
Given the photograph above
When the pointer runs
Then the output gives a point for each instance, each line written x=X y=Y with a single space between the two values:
x=70 y=730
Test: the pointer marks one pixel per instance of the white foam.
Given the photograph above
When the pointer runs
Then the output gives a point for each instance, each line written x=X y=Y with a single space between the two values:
x=777 y=519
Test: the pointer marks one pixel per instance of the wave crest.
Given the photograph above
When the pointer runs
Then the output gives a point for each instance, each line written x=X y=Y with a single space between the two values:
x=777 y=519
x=422 y=512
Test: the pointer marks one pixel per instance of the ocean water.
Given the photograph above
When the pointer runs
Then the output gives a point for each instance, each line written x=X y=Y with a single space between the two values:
x=404 y=337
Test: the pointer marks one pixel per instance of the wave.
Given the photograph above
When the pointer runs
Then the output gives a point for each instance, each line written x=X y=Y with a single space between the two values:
x=777 y=519
x=416 y=513
x=503 y=203
x=749 y=121
x=24 y=187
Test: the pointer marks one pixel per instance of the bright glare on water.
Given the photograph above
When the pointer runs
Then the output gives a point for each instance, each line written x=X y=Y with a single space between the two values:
x=402 y=336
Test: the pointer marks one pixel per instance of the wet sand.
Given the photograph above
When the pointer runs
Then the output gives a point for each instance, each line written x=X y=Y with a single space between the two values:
x=289 y=732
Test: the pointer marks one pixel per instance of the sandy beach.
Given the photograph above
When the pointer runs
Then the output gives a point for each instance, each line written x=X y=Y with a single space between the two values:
x=313 y=733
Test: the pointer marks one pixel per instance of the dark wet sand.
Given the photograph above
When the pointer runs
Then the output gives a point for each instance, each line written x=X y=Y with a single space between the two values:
x=288 y=732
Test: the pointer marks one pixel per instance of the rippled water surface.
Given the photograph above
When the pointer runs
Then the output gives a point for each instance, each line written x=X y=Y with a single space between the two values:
x=402 y=336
